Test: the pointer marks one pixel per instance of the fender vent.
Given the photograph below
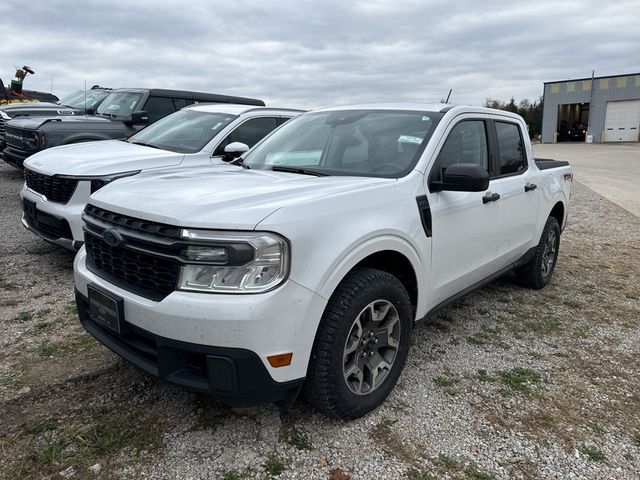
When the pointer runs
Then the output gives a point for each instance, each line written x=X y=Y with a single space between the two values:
x=425 y=213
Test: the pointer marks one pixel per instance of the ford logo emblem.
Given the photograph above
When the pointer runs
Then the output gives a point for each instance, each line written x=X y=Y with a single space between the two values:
x=112 y=238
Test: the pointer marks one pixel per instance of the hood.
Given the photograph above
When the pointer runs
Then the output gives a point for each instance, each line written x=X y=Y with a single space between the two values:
x=218 y=197
x=33 y=123
x=104 y=157
x=13 y=108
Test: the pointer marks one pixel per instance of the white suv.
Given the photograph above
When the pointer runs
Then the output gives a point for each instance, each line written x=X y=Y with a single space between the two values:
x=59 y=181
x=306 y=264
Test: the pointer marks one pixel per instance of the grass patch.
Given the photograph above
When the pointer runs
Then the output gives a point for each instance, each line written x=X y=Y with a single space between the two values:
x=594 y=453
x=636 y=438
x=581 y=332
x=480 y=338
x=47 y=350
x=46 y=426
x=421 y=476
x=54 y=451
x=484 y=376
x=41 y=327
x=6 y=285
x=23 y=317
x=520 y=379
x=447 y=462
x=573 y=304
x=43 y=313
x=71 y=308
x=475 y=474
x=545 y=325
x=444 y=382
x=274 y=466
x=233 y=475
x=300 y=440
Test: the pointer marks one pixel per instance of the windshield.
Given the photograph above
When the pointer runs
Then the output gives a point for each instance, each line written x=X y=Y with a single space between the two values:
x=80 y=100
x=348 y=142
x=70 y=98
x=185 y=131
x=119 y=104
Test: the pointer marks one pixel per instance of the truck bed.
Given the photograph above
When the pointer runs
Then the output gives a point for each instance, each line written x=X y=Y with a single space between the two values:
x=546 y=163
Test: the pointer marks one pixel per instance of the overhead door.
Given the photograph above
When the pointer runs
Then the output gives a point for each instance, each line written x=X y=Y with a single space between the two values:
x=622 y=121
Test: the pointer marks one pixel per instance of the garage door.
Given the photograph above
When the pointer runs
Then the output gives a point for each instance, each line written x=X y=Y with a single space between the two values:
x=622 y=121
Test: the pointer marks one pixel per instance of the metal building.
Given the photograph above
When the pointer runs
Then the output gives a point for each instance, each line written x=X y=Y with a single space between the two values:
x=605 y=109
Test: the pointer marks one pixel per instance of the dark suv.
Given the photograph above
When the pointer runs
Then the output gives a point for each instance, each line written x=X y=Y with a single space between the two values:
x=122 y=113
x=78 y=103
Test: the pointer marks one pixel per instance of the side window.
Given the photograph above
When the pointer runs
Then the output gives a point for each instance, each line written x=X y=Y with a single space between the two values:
x=511 y=146
x=250 y=133
x=159 y=107
x=466 y=143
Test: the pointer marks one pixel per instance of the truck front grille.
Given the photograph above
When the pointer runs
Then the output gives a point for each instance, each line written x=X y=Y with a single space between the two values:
x=2 y=122
x=143 y=274
x=137 y=264
x=56 y=189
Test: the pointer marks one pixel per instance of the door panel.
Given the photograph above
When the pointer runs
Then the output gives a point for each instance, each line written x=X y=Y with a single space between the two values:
x=464 y=237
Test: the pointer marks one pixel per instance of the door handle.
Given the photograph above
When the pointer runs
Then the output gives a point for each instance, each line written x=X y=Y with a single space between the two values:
x=491 y=197
x=530 y=186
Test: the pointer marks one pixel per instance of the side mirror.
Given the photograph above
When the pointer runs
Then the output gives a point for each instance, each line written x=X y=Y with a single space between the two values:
x=463 y=177
x=138 y=118
x=234 y=150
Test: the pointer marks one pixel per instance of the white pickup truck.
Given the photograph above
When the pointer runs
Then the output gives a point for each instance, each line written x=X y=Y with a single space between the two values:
x=304 y=265
x=59 y=180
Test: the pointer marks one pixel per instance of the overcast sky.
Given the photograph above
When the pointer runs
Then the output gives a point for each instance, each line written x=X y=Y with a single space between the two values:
x=319 y=53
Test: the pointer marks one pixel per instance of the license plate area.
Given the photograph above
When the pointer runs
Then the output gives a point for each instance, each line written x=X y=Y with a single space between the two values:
x=105 y=309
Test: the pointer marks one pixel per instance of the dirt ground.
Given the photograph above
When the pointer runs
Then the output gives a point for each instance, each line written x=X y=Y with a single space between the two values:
x=507 y=383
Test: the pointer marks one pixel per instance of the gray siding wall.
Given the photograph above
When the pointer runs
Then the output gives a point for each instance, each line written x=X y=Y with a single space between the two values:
x=623 y=87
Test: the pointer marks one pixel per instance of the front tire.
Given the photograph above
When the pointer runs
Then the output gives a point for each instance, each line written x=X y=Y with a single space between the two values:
x=361 y=345
x=539 y=270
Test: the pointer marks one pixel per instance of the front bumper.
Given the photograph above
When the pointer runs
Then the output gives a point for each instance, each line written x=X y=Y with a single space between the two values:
x=15 y=157
x=227 y=336
x=69 y=234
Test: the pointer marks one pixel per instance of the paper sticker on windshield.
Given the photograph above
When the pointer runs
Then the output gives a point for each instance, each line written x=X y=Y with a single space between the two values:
x=294 y=159
x=409 y=139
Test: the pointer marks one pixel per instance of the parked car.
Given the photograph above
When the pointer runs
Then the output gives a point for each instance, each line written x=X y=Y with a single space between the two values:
x=577 y=133
x=304 y=265
x=58 y=181
x=77 y=103
x=121 y=114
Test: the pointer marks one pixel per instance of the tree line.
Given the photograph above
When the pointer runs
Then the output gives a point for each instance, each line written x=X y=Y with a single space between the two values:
x=530 y=111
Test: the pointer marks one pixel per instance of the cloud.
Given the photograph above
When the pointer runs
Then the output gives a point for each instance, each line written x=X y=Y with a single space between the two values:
x=310 y=54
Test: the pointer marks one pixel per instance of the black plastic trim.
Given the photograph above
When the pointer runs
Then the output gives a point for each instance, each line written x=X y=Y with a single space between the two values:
x=242 y=380
x=425 y=214
x=547 y=163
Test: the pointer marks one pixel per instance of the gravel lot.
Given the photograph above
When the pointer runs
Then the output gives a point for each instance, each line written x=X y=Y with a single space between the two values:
x=507 y=383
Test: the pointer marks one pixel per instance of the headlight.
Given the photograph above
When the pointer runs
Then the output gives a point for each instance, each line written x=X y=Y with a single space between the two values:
x=233 y=262
x=4 y=115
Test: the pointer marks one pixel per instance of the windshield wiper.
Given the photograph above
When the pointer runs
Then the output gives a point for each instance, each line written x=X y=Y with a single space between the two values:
x=304 y=171
x=146 y=145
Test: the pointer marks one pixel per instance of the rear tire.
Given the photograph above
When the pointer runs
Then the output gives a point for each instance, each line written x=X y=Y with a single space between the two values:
x=361 y=345
x=538 y=271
